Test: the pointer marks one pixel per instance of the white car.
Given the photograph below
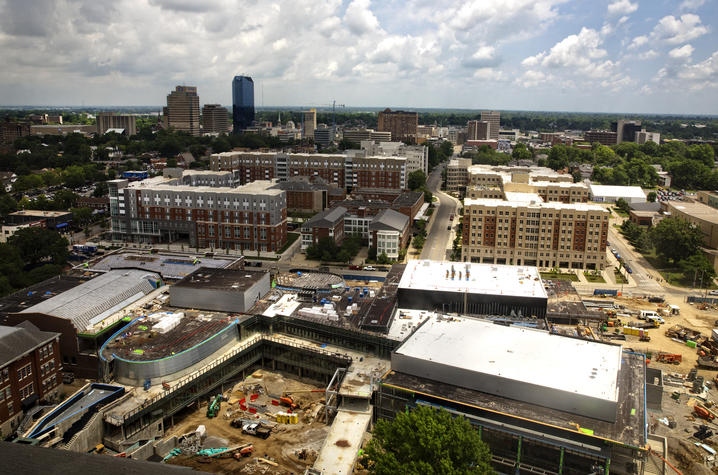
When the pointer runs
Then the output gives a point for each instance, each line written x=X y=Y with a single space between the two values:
x=713 y=292
x=369 y=268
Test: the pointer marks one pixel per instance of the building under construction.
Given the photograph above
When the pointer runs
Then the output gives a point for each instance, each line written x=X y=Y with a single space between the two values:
x=477 y=289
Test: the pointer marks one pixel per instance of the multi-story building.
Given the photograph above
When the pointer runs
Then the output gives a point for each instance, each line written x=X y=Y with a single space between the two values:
x=242 y=103
x=360 y=135
x=626 y=130
x=11 y=130
x=642 y=137
x=249 y=217
x=327 y=224
x=457 y=174
x=346 y=171
x=402 y=125
x=494 y=120
x=30 y=371
x=182 y=111
x=535 y=233
x=215 y=119
x=205 y=178
x=478 y=130
x=604 y=137
x=111 y=120
x=309 y=194
x=417 y=156
x=324 y=135
x=57 y=220
x=309 y=123
x=389 y=233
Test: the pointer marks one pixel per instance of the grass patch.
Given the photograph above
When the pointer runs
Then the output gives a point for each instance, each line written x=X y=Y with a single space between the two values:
x=597 y=278
x=620 y=278
x=620 y=212
x=559 y=276
x=672 y=275
x=291 y=237
x=429 y=211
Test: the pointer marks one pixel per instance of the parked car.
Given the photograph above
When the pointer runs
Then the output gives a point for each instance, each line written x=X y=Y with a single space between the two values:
x=355 y=267
x=713 y=292
x=448 y=228
x=382 y=269
x=372 y=268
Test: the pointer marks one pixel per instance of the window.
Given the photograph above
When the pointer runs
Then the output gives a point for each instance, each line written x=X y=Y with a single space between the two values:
x=24 y=372
x=5 y=374
x=27 y=391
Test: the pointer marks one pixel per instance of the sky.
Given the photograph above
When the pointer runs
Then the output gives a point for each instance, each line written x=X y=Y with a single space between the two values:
x=633 y=56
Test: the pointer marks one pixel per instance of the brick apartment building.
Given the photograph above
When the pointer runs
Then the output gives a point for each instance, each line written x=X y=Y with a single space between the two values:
x=403 y=125
x=345 y=171
x=30 y=371
x=535 y=233
x=101 y=203
x=161 y=209
x=329 y=223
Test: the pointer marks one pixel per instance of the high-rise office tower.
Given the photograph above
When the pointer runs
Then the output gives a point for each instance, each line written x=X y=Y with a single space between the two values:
x=182 y=111
x=478 y=130
x=493 y=118
x=626 y=130
x=309 y=123
x=214 y=119
x=402 y=125
x=242 y=102
x=110 y=120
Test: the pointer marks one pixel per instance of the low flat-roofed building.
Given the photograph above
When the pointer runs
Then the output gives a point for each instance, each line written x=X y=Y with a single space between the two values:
x=611 y=193
x=479 y=289
x=223 y=290
x=53 y=219
x=472 y=353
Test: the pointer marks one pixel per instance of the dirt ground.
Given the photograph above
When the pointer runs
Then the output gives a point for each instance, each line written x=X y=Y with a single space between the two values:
x=690 y=316
x=283 y=446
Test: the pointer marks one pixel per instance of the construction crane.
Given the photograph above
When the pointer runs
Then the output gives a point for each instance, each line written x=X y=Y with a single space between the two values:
x=334 y=114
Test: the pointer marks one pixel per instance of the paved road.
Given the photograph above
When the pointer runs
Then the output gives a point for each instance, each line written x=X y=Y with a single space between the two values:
x=438 y=236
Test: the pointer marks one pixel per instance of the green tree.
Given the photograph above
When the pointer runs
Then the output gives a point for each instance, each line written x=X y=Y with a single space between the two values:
x=81 y=216
x=417 y=180
x=419 y=241
x=623 y=205
x=7 y=205
x=520 y=152
x=382 y=258
x=37 y=244
x=172 y=162
x=698 y=263
x=427 y=441
x=676 y=239
x=651 y=196
x=558 y=157
x=11 y=265
x=101 y=189
x=65 y=199
x=371 y=254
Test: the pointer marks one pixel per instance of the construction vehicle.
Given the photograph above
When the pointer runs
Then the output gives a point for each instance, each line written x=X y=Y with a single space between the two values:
x=214 y=406
x=287 y=400
x=669 y=358
x=707 y=362
x=256 y=429
x=704 y=413
x=645 y=337
x=244 y=451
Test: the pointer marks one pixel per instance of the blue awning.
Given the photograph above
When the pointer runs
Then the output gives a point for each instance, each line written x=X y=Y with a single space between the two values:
x=61 y=225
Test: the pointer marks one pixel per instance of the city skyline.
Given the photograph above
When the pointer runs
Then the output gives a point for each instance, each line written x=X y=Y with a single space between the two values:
x=617 y=56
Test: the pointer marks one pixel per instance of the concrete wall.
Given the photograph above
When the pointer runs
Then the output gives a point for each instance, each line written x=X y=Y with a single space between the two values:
x=654 y=388
x=543 y=396
x=475 y=303
x=231 y=301
x=88 y=437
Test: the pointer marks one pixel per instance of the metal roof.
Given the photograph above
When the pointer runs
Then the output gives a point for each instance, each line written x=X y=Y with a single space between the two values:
x=92 y=301
x=618 y=191
x=19 y=340
x=328 y=217
x=390 y=220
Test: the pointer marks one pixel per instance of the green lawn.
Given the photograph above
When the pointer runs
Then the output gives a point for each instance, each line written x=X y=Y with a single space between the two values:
x=291 y=237
x=620 y=212
x=671 y=274
x=620 y=279
x=596 y=278
x=559 y=276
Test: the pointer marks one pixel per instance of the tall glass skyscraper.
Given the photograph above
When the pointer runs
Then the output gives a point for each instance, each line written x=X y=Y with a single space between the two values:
x=242 y=102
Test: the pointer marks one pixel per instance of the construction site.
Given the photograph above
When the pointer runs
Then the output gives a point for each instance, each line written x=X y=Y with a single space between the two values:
x=296 y=381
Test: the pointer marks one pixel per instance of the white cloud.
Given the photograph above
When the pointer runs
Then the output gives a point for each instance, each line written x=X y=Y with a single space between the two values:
x=622 y=7
x=577 y=52
x=704 y=74
x=532 y=78
x=638 y=41
x=691 y=4
x=359 y=18
x=674 y=30
x=647 y=55
x=682 y=53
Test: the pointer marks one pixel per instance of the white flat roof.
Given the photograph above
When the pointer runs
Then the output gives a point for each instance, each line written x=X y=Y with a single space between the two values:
x=493 y=279
x=542 y=205
x=522 y=354
x=522 y=197
x=619 y=191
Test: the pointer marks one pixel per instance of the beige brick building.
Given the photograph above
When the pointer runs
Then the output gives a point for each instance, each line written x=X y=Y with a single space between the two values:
x=530 y=232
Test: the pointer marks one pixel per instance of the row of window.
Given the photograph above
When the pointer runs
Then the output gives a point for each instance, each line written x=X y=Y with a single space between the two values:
x=24 y=372
x=47 y=367
x=45 y=351
x=27 y=391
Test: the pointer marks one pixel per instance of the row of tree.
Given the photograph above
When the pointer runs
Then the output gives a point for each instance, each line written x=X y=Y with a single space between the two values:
x=326 y=250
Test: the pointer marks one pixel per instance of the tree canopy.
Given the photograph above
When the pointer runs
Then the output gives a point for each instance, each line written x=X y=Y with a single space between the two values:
x=37 y=245
x=426 y=441
x=676 y=239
